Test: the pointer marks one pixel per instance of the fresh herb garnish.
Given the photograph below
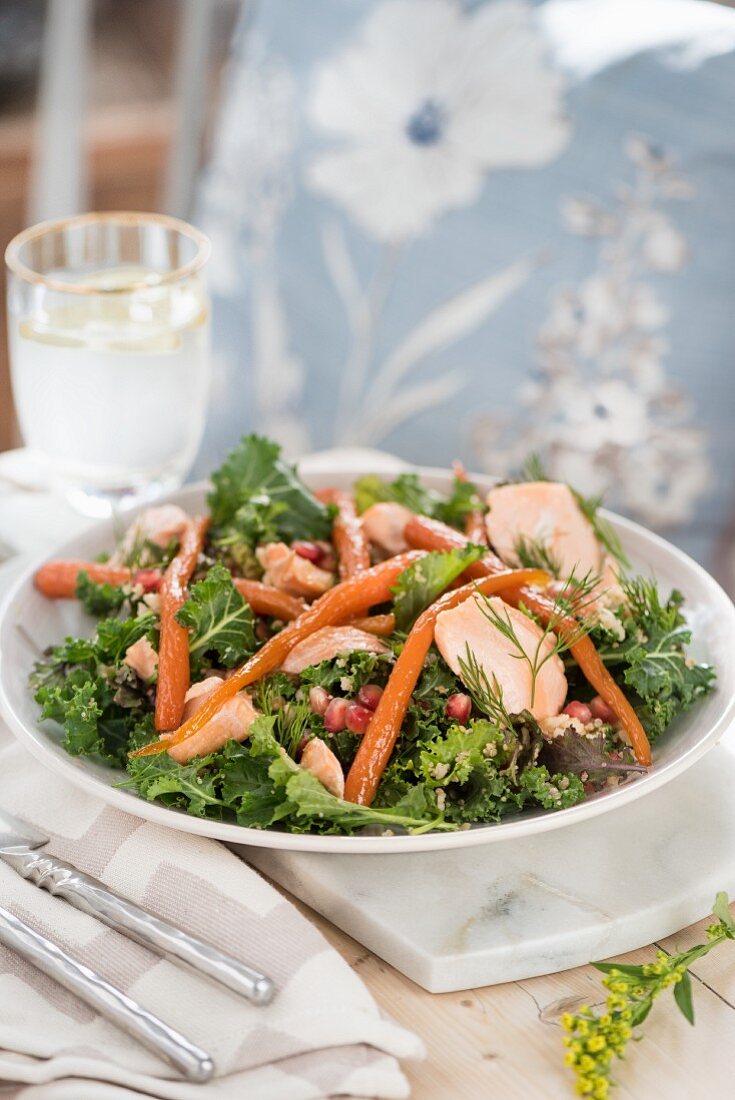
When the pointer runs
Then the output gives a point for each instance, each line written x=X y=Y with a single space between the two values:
x=99 y=599
x=594 y=1039
x=408 y=491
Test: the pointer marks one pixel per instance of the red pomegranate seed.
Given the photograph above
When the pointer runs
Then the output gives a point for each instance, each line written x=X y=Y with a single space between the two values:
x=578 y=710
x=369 y=696
x=600 y=709
x=458 y=708
x=319 y=699
x=262 y=631
x=148 y=579
x=308 y=550
x=335 y=716
x=357 y=718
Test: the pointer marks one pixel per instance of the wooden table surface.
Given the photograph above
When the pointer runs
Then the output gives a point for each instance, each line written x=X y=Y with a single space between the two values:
x=503 y=1042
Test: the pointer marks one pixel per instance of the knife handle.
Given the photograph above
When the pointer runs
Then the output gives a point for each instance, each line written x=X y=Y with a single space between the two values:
x=195 y=1064
x=91 y=896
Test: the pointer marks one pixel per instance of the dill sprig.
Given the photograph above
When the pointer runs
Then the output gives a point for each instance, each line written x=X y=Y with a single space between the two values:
x=570 y=603
x=292 y=718
x=594 y=1039
x=487 y=697
x=534 y=554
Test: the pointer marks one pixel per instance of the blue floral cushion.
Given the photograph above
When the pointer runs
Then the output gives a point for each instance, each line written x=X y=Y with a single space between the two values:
x=484 y=229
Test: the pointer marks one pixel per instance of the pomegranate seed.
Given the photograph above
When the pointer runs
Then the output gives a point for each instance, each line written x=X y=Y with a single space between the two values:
x=458 y=707
x=262 y=631
x=578 y=710
x=357 y=718
x=601 y=710
x=335 y=716
x=302 y=745
x=148 y=579
x=319 y=699
x=369 y=696
x=309 y=550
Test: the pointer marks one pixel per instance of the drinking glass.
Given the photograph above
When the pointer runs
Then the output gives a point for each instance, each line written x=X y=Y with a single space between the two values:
x=108 y=324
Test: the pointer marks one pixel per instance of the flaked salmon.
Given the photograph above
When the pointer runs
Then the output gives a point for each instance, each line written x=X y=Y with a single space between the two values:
x=231 y=723
x=319 y=759
x=158 y=525
x=544 y=512
x=287 y=570
x=142 y=658
x=384 y=524
x=329 y=642
x=499 y=657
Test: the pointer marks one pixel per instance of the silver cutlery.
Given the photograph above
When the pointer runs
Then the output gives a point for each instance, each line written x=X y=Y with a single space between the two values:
x=190 y=1060
x=18 y=844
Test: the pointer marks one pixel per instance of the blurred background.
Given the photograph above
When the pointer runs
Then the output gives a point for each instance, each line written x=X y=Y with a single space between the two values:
x=552 y=275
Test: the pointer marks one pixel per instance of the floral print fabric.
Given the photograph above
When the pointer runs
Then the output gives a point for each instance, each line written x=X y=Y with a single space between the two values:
x=467 y=230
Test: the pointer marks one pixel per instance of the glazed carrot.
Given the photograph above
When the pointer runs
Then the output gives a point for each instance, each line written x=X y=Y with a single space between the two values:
x=267 y=600
x=474 y=524
x=380 y=625
x=58 y=579
x=340 y=604
x=429 y=534
x=347 y=534
x=381 y=735
x=173 y=650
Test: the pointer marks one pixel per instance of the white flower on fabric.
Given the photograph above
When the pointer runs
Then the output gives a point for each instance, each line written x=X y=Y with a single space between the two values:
x=664 y=248
x=609 y=412
x=426 y=101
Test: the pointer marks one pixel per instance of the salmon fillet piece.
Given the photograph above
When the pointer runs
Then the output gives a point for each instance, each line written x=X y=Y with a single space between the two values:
x=319 y=759
x=329 y=642
x=384 y=524
x=545 y=512
x=467 y=625
x=231 y=723
x=285 y=569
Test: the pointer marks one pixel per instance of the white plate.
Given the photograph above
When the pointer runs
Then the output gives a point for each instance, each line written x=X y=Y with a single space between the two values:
x=28 y=623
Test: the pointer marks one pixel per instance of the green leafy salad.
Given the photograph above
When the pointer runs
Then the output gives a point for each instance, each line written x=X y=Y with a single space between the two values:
x=391 y=659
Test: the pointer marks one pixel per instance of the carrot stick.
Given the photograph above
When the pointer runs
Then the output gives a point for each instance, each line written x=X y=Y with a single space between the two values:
x=339 y=605
x=429 y=534
x=381 y=735
x=267 y=600
x=380 y=625
x=173 y=650
x=347 y=534
x=58 y=579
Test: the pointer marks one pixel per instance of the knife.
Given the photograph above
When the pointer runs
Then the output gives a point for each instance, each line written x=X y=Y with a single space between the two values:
x=190 y=1060
x=18 y=848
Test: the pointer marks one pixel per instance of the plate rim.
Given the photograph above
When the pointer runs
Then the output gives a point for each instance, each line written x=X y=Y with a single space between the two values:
x=37 y=740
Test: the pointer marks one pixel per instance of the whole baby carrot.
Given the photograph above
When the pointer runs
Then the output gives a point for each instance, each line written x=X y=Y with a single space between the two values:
x=173 y=650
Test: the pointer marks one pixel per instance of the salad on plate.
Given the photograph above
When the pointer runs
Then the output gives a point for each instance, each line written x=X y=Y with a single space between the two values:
x=388 y=659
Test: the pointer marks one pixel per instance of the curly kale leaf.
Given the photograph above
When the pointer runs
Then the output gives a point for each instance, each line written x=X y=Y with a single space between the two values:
x=256 y=496
x=408 y=491
x=99 y=599
x=422 y=582
x=653 y=659
x=346 y=674
x=219 y=620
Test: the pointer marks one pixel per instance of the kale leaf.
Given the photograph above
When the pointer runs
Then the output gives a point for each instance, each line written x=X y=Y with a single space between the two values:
x=258 y=496
x=99 y=599
x=219 y=620
x=423 y=581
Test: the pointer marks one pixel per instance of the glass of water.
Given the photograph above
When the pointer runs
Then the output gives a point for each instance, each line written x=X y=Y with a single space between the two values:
x=108 y=324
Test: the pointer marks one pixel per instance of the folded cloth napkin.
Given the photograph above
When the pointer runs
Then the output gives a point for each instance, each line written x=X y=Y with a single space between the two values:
x=323 y=1035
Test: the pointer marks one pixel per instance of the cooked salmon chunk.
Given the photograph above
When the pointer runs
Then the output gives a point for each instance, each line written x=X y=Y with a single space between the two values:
x=384 y=524
x=545 y=512
x=285 y=569
x=499 y=657
x=329 y=642
x=142 y=658
x=157 y=525
x=319 y=759
x=231 y=723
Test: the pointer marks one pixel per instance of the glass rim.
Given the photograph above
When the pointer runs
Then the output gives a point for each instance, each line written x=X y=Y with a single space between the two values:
x=123 y=217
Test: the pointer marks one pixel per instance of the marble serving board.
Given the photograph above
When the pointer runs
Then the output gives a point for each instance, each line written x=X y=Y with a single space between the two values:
x=484 y=915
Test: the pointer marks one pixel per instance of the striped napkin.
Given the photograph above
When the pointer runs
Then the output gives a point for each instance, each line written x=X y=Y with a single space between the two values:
x=322 y=1036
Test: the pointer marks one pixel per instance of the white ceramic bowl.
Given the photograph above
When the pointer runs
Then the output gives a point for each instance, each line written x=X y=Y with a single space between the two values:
x=28 y=623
